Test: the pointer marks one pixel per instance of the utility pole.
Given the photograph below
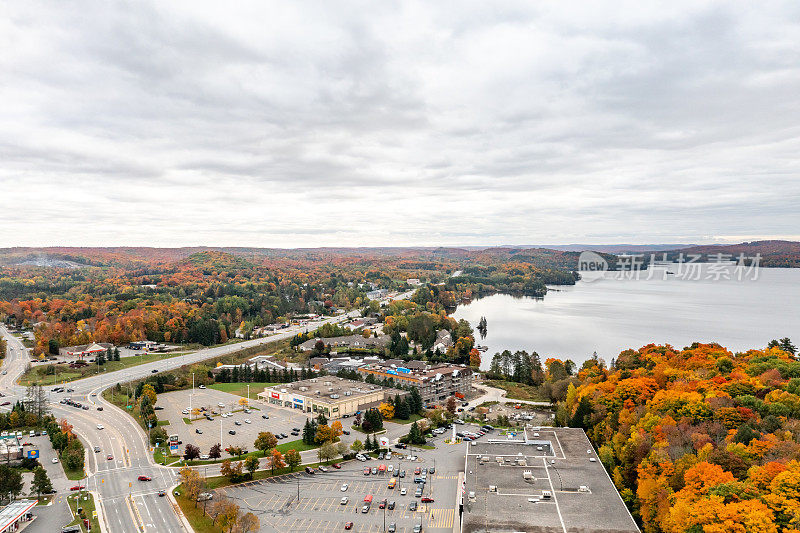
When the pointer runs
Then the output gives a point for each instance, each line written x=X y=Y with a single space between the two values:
x=190 y=398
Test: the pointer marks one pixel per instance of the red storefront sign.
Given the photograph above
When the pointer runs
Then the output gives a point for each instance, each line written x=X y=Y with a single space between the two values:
x=275 y=395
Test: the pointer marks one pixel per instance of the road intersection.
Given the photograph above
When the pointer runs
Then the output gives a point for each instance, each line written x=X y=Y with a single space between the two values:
x=126 y=505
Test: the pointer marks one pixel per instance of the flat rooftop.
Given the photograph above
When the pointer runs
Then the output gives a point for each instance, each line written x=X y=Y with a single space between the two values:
x=325 y=386
x=510 y=480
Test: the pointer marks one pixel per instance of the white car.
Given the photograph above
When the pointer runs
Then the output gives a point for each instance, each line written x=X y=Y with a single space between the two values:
x=247 y=421
x=202 y=386
x=54 y=460
x=344 y=487
x=185 y=411
x=403 y=491
x=99 y=426
x=390 y=468
x=220 y=404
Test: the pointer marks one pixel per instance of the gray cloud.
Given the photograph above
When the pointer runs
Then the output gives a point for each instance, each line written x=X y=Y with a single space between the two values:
x=414 y=123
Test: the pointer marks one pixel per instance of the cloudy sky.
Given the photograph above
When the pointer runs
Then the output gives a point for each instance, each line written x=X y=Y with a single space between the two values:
x=410 y=123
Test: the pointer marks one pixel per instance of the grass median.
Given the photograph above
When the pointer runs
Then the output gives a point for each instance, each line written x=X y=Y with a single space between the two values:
x=50 y=374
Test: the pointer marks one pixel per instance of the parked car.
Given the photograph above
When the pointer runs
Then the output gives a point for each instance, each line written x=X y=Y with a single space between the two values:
x=161 y=493
x=231 y=432
x=392 y=528
x=365 y=509
x=323 y=469
x=54 y=460
x=344 y=500
x=412 y=506
x=198 y=431
x=77 y=487
x=110 y=457
x=344 y=487
x=309 y=470
x=403 y=491
x=426 y=499
x=390 y=506
x=337 y=466
x=348 y=525
x=145 y=478
x=265 y=417
x=204 y=496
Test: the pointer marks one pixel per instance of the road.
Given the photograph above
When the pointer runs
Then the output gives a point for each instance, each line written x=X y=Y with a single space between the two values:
x=125 y=504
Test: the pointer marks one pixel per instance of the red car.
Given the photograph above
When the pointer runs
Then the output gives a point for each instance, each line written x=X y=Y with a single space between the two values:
x=366 y=471
x=77 y=487
x=426 y=499
x=145 y=478
x=383 y=504
x=348 y=525
x=416 y=471
x=110 y=457
x=337 y=466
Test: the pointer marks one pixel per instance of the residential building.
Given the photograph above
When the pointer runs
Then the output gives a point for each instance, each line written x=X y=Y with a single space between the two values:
x=414 y=282
x=443 y=341
x=435 y=383
x=347 y=342
x=332 y=396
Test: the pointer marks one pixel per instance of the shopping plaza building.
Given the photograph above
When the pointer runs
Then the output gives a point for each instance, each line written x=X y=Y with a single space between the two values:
x=332 y=396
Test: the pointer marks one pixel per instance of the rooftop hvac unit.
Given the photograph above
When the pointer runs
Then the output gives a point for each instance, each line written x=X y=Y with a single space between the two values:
x=522 y=462
x=527 y=474
x=334 y=396
x=317 y=393
x=492 y=488
x=330 y=389
x=583 y=488
x=499 y=460
x=283 y=390
x=303 y=389
x=347 y=393
x=328 y=383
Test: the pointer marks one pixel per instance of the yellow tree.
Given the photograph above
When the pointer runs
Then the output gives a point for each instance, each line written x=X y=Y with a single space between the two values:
x=387 y=410
x=243 y=402
x=324 y=433
x=248 y=523
x=337 y=429
x=190 y=479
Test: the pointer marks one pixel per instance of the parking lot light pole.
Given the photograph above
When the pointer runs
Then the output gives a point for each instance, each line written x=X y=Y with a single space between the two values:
x=190 y=398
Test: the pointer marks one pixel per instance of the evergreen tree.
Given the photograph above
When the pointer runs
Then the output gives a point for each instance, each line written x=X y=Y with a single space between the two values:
x=401 y=410
x=41 y=482
x=415 y=403
x=235 y=375
x=101 y=359
x=116 y=354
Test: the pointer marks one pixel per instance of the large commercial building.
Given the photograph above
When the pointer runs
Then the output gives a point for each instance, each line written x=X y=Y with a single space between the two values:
x=333 y=396
x=539 y=480
x=435 y=383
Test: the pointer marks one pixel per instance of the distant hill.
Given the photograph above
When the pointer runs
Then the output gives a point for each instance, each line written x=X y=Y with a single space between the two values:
x=779 y=254
x=773 y=254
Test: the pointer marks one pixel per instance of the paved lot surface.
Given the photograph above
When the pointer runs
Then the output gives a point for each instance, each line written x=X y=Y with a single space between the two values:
x=50 y=518
x=275 y=500
x=280 y=420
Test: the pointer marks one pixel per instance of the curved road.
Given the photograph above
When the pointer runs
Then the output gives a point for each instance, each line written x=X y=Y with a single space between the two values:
x=126 y=504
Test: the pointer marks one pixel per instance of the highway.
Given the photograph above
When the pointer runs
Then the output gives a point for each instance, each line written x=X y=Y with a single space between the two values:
x=125 y=504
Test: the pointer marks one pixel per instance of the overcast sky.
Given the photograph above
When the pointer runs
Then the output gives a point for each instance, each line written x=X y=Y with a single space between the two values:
x=408 y=123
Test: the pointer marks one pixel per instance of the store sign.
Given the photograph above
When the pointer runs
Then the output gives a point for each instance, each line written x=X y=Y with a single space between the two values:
x=275 y=395
x=297 y=400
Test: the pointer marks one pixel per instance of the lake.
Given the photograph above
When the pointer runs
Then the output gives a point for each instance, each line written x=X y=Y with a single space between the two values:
x=610 y=312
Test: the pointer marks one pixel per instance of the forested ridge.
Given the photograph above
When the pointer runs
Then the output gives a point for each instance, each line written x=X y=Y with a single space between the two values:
x=697 y=440
x=72 y=296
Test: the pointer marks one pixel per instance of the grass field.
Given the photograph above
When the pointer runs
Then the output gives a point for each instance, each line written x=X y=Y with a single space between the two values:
x=86 y=501
x=412 y=418
x=519 y=391
x=240 y=389
x=298 y=445
x=38 y=374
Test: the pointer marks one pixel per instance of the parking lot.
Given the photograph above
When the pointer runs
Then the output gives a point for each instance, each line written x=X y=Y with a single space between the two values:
x=173 y=403
x=319 y=508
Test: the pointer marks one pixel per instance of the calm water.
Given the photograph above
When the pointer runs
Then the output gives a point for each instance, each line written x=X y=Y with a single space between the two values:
x=607 y=314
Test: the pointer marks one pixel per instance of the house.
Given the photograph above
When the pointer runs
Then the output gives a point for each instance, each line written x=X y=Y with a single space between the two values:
x=414 y=282
x=443 y=341
x=377 y=294
x=347 y=342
